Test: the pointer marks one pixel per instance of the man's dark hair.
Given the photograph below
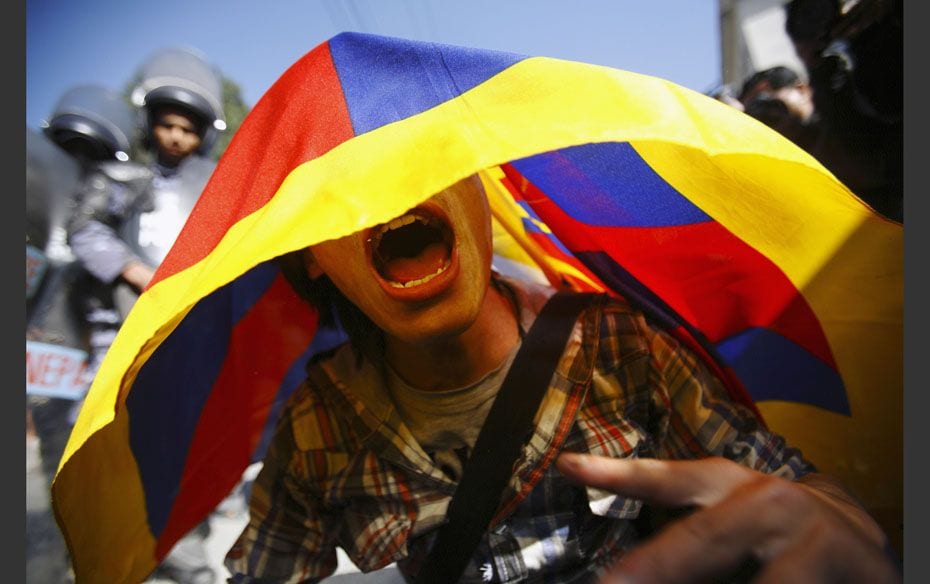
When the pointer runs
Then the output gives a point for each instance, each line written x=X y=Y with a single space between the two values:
x=334 y=308
x=775 y=77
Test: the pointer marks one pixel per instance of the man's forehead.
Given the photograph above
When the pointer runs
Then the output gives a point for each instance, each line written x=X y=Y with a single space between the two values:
x=177 y=116
x=466 y=194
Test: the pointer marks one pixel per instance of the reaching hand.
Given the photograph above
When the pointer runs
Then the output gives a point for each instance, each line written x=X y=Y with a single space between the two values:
x=137 y=274
x=807 y=530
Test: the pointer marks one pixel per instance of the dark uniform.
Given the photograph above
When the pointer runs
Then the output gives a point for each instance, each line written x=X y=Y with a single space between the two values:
x=90 y=128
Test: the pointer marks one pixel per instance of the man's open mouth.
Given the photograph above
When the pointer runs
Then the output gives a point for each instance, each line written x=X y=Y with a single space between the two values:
x=412 y=249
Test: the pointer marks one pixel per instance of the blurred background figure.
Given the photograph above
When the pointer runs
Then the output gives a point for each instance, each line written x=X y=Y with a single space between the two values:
x=97 y=127
x=853 y=53
x=179 y=98
x=53 y=344
x=778 y=97
x=91 y=127
x=122 y=235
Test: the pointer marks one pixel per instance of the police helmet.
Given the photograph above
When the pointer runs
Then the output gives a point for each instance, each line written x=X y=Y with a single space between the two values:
x=182 y=77
x=92 y=122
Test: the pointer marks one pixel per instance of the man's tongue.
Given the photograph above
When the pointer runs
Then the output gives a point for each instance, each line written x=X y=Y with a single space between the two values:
x=405 y=269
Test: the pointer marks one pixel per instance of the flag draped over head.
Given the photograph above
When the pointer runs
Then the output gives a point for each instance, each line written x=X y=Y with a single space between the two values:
x=738 y=242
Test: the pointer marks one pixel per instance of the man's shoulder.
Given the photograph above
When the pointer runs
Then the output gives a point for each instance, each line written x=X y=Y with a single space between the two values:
x=613 y=310
x=340 y=392
x=309 y=408
x=616 y=332
x=131 y=174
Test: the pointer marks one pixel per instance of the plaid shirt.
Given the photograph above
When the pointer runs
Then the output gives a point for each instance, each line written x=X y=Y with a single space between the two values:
x=344 y=470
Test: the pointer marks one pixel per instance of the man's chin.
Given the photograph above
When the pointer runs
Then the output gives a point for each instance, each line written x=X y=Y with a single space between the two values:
x=435 y=327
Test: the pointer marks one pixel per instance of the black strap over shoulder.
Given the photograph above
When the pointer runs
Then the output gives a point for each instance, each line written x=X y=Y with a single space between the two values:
x=508 y=426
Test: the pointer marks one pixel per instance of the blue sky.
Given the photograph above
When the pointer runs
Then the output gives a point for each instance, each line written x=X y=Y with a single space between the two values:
x=70 y=42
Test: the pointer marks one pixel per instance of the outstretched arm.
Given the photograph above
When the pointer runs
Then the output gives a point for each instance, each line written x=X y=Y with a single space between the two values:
x=807 y=530
x=103 y=206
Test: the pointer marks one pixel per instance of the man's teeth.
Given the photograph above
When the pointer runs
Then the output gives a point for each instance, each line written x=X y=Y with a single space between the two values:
x=397 y=223
x=422 y=280
x=401 y=221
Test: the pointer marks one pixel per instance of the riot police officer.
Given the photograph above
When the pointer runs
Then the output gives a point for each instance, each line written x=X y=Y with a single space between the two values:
x=54 y=351
x=122 y=239
x=180 y=101
x=96 y=126
x=180 y=96
x=86 y=139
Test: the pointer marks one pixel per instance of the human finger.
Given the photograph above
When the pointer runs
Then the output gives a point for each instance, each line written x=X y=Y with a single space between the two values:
x=755 y=522
x=771 y=522
x=671 y=483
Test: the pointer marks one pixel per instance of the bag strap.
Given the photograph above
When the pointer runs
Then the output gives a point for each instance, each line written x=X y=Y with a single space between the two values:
x=508 y=426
